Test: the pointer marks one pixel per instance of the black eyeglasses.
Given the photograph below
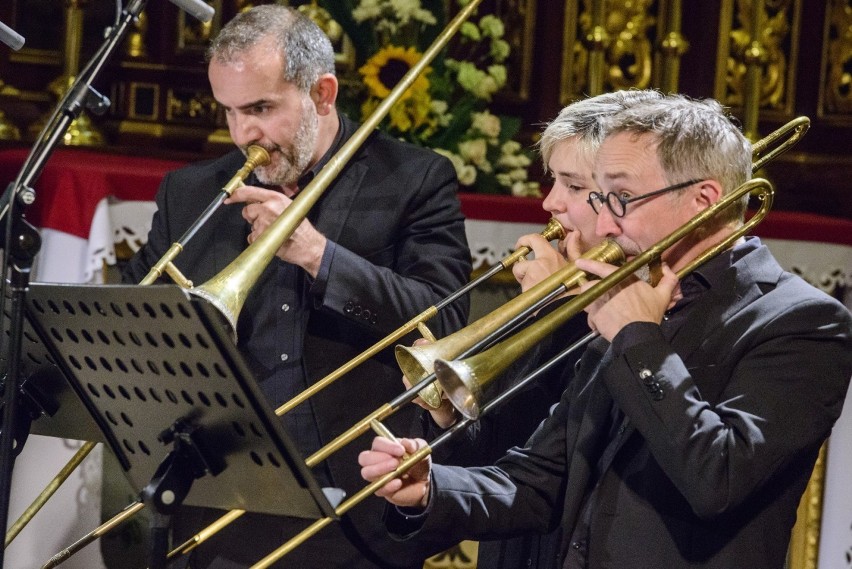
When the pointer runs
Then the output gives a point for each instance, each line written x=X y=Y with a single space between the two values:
x=618 y=204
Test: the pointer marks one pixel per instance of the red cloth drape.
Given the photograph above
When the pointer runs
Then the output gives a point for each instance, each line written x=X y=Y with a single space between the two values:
x=75 y=180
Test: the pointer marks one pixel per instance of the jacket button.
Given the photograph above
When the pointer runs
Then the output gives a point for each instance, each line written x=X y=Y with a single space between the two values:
x=366 y=314
x=357 y=310
x=347 y=308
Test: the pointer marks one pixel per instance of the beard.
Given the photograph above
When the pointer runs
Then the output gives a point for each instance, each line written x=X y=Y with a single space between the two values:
x=288 y=163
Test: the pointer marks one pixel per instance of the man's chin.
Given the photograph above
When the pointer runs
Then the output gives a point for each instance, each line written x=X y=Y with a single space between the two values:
x=275 y=176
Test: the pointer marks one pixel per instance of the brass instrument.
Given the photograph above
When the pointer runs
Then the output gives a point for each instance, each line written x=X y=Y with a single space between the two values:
x=416 y=361
x=430 y=394
x=228 y=290
x=763 y=149
x=464 y=380
x=255 y=156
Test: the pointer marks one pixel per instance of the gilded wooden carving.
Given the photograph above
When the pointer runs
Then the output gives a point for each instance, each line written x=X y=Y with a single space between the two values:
x=193 y=34
x=620 y=32
x=761 y=35
x=836 y=91
x=804 y=541
x=191 y=106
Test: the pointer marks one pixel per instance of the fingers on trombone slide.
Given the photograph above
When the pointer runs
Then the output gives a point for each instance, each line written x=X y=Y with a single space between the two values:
x=381 y=429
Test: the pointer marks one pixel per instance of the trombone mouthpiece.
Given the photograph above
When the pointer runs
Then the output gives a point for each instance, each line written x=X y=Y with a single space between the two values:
x=553 y=230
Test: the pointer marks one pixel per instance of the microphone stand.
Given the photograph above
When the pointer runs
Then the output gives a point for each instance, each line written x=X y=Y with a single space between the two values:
x=23 y=243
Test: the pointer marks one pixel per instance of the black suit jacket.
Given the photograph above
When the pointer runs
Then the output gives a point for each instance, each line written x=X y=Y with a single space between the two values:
x=721 y=423
x=400 y=247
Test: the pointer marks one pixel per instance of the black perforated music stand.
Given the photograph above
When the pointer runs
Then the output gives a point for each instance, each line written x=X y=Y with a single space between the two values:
x=49 y=406
x=161 y=378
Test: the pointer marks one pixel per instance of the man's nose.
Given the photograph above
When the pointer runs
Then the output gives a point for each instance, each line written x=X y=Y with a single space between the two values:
x=606 y=225
x=244 y=130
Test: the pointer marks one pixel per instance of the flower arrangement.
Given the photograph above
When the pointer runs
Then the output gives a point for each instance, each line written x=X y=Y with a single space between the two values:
x=447 y=107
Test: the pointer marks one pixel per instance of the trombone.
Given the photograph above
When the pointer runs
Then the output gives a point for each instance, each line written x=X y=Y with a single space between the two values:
x=416 y=362
x=465 y=380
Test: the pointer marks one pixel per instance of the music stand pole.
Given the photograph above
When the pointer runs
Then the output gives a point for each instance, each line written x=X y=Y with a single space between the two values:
x=22 y=241
x=20 y=250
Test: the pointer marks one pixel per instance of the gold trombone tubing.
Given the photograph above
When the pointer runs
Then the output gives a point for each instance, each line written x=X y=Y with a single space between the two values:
x=563 y=281
x=228 y=289
x=488 y=364
x=416 y=361
x=796 y=129
x=48 y=491
x=553 y=230
x=464 y=380
x=255 y=156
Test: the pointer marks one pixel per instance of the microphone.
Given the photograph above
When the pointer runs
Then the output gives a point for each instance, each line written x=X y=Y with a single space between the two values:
x=12 y=38
x=196 y=8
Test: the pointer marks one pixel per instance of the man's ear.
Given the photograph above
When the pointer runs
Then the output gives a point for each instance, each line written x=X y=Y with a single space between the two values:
x=709 y=192
x=324 y=93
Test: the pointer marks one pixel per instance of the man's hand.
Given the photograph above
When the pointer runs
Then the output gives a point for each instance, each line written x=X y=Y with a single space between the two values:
x=633 y=300
x=411 y=490
x=304 y=248
x=547 y=261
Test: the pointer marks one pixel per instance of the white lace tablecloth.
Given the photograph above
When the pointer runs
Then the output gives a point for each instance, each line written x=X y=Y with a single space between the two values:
x=76 y=508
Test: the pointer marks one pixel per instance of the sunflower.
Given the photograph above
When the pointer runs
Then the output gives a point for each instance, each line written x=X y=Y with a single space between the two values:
x=384 y=70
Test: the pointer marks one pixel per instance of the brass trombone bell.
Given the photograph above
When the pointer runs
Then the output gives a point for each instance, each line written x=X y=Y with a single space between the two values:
x=431 y=394
x=416 y=361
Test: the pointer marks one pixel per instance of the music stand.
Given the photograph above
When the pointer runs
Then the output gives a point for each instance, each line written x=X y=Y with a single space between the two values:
x=157 y=371
x=49 y=406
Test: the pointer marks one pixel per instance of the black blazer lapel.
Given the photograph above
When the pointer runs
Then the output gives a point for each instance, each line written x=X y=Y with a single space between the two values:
x=332 y=210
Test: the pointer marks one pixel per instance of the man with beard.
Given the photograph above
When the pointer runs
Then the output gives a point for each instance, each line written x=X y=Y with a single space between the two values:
x=692 y=424
x=385 y=241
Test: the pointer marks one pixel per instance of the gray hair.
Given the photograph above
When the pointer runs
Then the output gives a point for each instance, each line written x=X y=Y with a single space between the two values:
x=694 y=139
x=583 y=119
x=306 y=51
